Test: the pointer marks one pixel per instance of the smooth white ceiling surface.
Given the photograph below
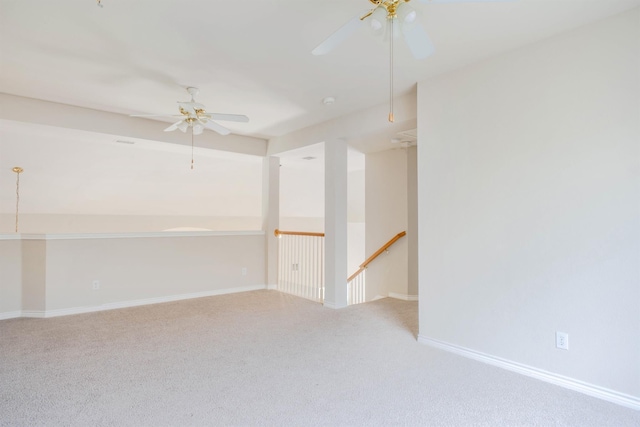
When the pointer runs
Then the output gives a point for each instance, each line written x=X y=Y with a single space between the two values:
x=250 y=56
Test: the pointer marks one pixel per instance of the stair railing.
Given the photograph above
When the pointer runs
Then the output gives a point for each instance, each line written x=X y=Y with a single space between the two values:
x=301 y=266
x=356 y=283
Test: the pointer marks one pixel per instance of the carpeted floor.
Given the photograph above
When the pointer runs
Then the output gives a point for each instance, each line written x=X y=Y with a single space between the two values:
x=264 y=359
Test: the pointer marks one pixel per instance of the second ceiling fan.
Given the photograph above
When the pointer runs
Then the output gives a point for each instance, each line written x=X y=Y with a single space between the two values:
x=383 y=12
x=194 y=115
x=392 y=18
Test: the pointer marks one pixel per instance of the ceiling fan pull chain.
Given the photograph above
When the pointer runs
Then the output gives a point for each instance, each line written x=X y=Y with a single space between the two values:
x=391 y=71
x=191 y=147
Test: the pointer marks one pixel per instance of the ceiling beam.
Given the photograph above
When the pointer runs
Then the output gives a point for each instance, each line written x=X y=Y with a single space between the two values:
x=367 y=130
x=29 y=110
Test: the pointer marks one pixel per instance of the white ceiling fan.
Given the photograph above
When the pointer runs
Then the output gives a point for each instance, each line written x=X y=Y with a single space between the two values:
x=194 y=115
x=384 y=11
x=392 y=18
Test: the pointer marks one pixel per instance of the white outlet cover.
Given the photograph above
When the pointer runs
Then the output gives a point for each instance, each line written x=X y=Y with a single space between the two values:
x=562 y=340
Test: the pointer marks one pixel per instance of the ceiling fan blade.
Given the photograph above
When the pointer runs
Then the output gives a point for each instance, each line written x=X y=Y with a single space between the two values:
x=418 y=41
x=216 y=127
x=338 y=36
x=173 y=126
x=155 y=115
x=464 y=1
x=229 y=117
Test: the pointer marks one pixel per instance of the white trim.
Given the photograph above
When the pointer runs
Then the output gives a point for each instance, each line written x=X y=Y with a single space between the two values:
x=34 y=313
x=403 y=296
x=627 y=400
x=333 y=305
x=81 y=236
x=10 y=315
x=125 y=304
x=272 y=287
x=147 y=301
x=10 y=237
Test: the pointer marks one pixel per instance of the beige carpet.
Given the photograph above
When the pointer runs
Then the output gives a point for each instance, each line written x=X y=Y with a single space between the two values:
x=265 y=359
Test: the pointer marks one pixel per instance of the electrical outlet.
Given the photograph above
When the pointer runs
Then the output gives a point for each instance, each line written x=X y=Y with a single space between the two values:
x=562 y=340
x=244 y=271
x=295 y=266
x=96 y=285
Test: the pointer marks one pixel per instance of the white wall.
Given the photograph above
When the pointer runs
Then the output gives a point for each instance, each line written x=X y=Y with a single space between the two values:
x=356 y=186
x=10 y=276
x=101 y=185
x=33 y=259
x=142 y=268
x=57 y=272
x=302 y=198
x=356 y=232
x=412 y=222
x=386 y=216
x=529 y=184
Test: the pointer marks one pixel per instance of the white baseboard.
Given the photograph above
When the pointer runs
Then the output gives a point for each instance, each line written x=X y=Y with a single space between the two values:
x=125 y=304
x=570 y=383
x=403 y=296
x=332 y=305
x=10 y=315
x=39 y=314
x=272 y=287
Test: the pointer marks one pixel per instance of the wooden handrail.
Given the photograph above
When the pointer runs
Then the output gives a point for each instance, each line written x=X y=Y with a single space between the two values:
x=355 y=274
x=377 y=253
x=277 y=233
x=364 y=265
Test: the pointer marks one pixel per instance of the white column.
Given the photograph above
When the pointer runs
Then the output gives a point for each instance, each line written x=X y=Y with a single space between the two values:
x=412 y=220
x=271 y=216
x=335 y=223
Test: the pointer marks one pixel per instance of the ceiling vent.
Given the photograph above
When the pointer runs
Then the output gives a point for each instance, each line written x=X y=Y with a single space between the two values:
x=409 y=135
x=406 y=138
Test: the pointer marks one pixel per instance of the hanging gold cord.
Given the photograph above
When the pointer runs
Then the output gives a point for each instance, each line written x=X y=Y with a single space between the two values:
x=391 y=72
x=18 y=170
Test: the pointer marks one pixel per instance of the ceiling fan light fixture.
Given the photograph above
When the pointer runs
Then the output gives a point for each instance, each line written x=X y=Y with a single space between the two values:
x=198 y=128
x=183 y=126
x=378 y=19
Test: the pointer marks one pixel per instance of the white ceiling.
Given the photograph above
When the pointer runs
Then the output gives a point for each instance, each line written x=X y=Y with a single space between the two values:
x=251 y=56
x=247 y=57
